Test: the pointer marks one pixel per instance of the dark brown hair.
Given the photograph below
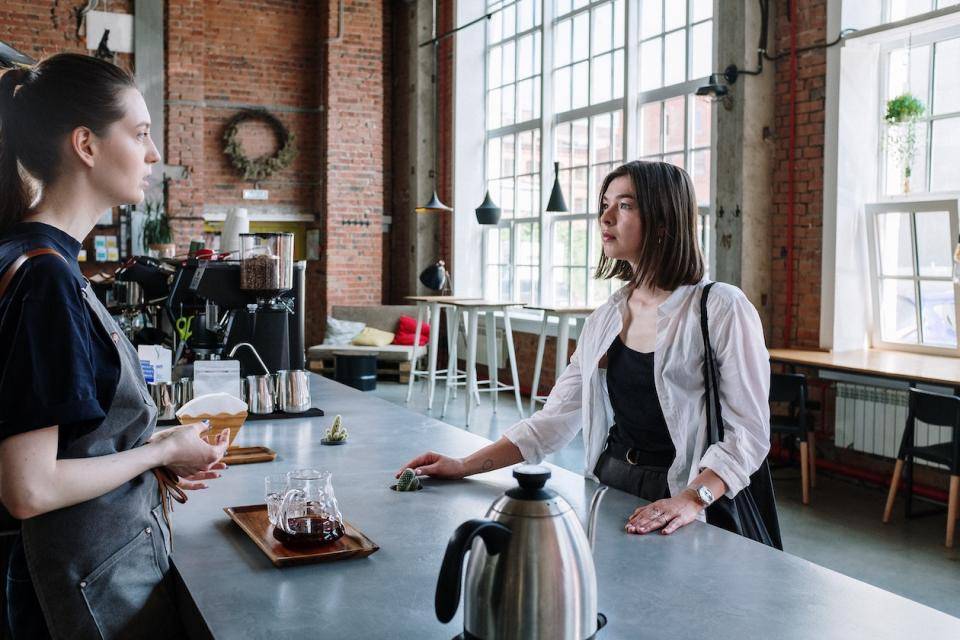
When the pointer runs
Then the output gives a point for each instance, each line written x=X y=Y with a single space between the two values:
x=669 y=251
x=39 y=105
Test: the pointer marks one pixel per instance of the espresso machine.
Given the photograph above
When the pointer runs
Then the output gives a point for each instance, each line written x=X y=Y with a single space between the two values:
x=258 y=300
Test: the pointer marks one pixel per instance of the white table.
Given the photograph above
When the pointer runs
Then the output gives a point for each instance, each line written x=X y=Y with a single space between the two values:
x=563 y=315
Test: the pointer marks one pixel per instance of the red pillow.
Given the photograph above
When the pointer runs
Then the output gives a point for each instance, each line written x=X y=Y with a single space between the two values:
x=406 y=330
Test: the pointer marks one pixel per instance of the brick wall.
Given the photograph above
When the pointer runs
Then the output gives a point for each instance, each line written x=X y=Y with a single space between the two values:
x=804 y=307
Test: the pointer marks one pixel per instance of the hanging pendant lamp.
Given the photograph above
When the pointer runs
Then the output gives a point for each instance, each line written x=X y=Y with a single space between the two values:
x=434 y=206
x=557 y=204
x=488 y=212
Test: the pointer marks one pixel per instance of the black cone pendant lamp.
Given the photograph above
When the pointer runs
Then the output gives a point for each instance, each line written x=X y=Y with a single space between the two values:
x=434 y=206
x=556 y=204
x=488 y=212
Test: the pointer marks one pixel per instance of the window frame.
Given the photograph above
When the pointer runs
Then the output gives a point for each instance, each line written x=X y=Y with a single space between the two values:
x=913 y=206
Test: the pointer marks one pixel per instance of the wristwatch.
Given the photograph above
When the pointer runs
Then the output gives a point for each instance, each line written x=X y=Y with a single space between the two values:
x=703 y=495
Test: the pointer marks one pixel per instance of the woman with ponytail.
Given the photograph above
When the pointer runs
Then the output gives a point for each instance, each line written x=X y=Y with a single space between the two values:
x=80 y=465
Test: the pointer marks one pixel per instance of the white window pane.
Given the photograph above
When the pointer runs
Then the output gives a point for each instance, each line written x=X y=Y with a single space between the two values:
x=536 y=150
x=947 y=3
x=675 y=159
x=651 y=65
x=601 y=77
x=945 y=158
x=579 y=4
x=525 y=15
x=651 y=18
x=701 y=10
x=525 y=57
x=618 y=78
x=494 y=27
x=580 y=139
x=909 y=72
x=702 y=120
x=701 y=50
x=507 y=197
x=494 y=64
x=561 y=286
x=600 y=137
x=675 y=15
x=934 y=244
x=700 y=172
x=602 y=29
x=620 y=23
x=507 y=155
x=525 y=100
x=493 y=246
x=650 y=128
x=536 y=97
x=566 y=184
x=578 y=287
x=525 y=160
x=561 y=243
x=894 y=244
x=524 y=197
x=675 y=58
x=509 y=68
x=493 y=109
x=900 y=9
x=578 y=201
x=578 y=242
x=561 y=43
x=938 y=313
x=581 y=36
x=674 y=124
x=509 y=20
x=946 y=81
x=581 y=86
x=898 y=311
x=507 y=105
x=561 y=7
x=906 y=160
x=600 y=172
x=493 y=158
x=537 y=49
x=617 y=135
x=561 y=90
x=562 y=148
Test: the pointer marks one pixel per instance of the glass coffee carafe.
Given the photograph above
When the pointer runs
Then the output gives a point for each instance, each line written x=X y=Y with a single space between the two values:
x=309 y=513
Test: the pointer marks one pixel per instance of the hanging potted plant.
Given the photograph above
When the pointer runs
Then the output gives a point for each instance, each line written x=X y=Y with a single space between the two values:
x=902 y=115
x=157 y=235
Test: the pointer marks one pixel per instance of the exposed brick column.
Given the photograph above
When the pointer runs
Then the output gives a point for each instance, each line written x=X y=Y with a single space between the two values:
x=808 y=177
x=184 y=144
x=353 y=135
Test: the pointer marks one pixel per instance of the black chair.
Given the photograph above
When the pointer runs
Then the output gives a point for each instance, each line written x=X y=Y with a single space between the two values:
x=791 y=388
x=933 y=409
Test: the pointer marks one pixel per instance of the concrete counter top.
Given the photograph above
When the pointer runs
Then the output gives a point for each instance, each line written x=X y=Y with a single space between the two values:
x=700 y=582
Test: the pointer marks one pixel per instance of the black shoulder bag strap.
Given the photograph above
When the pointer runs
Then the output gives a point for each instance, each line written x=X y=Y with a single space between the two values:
x=752 y=513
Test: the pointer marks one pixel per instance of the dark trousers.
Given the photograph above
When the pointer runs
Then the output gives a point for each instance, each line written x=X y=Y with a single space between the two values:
x=644 y=481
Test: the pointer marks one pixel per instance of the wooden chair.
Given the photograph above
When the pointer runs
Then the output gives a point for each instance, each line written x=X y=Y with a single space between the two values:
x=791 y=388
x=933 y=409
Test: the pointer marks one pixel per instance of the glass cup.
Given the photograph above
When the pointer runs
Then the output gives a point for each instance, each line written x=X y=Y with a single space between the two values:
x=309 y=509
x=275 y=486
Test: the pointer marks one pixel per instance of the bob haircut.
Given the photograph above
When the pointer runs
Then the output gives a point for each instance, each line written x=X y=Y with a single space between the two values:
x=669 y=251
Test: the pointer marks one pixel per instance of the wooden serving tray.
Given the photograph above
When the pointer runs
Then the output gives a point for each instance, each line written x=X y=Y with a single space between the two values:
x=248 y=455
x=253 y=520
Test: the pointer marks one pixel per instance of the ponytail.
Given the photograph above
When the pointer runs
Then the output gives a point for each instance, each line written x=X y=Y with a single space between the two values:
x=15 y=193
x=50 y=100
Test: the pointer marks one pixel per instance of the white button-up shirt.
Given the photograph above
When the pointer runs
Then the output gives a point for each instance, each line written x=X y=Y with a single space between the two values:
x=579 y=398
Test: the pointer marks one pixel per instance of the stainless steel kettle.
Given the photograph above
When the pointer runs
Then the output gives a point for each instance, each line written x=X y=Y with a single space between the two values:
x=531 y=572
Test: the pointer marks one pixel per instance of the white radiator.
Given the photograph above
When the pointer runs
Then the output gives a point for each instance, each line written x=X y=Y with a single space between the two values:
x=872 y=420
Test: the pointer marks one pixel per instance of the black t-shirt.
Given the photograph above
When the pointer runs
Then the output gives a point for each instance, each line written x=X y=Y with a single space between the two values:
x=638 y=416
x=58 y=366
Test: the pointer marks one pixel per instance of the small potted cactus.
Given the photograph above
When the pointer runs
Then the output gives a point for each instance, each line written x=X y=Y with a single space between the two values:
x=408 y=481
x=336 y=434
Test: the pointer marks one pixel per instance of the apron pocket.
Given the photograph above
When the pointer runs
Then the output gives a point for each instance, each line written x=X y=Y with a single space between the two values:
x=167 y=536
x=125 y=595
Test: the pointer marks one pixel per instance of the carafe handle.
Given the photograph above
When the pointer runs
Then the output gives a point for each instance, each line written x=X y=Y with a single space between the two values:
x=494 y=535
x=288 y=498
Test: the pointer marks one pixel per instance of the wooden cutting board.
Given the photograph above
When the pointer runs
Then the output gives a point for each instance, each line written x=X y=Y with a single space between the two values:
x=248 y=455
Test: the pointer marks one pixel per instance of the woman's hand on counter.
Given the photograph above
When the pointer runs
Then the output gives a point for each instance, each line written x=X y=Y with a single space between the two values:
x=666 y=515
x=184 y=452
x=436 y=465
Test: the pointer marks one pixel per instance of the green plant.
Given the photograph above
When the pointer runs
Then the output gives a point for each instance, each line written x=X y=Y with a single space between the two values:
x=408 y=481
x=902 y=115
x=336 y=433
x=156 y=225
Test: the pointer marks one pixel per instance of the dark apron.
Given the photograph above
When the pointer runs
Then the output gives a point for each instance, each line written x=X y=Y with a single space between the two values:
x=101 y=568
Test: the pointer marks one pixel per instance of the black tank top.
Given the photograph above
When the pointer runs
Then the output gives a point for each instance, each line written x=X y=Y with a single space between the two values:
x=639 y=421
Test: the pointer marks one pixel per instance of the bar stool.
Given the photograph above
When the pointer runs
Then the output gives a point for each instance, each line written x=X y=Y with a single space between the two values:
x=470 y=311
x=791 y=388
x=938 y=410
x=563 y=315
x=432 y=307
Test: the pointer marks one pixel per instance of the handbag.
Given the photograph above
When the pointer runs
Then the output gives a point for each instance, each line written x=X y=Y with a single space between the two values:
x=752 y=513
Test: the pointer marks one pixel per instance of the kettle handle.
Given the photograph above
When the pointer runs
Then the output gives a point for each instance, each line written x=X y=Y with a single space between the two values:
x=494 y=535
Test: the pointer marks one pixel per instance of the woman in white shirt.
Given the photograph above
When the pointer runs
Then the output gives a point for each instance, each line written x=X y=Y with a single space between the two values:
x=635 y=382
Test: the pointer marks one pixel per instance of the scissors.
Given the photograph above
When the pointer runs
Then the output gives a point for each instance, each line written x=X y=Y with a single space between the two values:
x=185 y=328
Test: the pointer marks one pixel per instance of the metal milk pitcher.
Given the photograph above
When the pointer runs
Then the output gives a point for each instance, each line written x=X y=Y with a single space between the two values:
x=293 y=391
x=531 y=572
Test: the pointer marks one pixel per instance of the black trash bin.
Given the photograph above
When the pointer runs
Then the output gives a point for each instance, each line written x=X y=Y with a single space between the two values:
x=356 y=370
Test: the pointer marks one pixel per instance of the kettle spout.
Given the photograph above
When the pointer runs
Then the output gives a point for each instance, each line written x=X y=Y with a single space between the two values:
x=594 y=509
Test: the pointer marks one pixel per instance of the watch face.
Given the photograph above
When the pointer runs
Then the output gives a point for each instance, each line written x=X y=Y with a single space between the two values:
x=705 y=494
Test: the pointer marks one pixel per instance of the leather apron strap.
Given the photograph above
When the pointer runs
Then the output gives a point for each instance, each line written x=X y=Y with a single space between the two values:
x=19 y=262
